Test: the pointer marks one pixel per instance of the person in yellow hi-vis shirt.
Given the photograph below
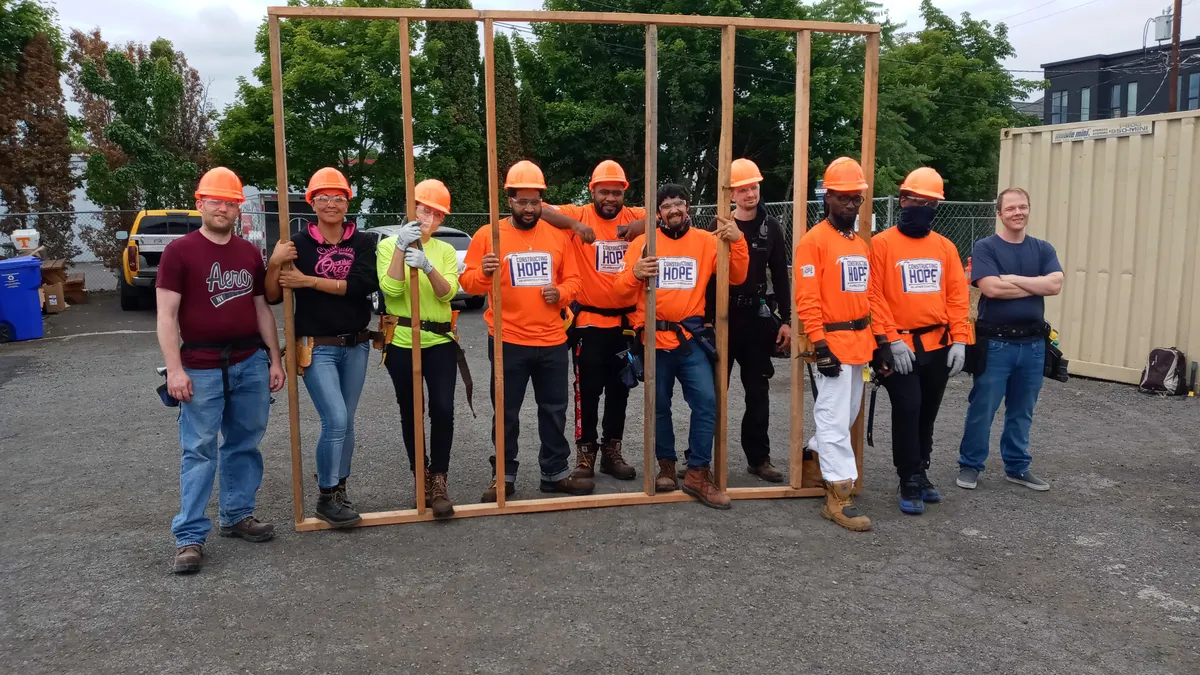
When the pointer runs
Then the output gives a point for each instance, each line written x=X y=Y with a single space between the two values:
x=437 y=265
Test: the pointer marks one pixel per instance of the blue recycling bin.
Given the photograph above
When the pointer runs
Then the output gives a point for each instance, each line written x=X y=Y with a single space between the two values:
x=20 y=308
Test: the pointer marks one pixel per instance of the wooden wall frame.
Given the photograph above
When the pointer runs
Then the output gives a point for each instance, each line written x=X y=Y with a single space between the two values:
x=729 y=27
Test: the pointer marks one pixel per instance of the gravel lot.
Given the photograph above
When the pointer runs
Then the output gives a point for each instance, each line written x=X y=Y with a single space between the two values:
x=1099 y=575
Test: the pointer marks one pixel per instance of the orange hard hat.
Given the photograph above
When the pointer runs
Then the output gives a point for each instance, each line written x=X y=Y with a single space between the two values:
x=608 y=171
x=221 y=183
x=743 y=173
x=327 y=178
x=924 y=182
x=845 y=175
x=434 y=194
x=525 y=174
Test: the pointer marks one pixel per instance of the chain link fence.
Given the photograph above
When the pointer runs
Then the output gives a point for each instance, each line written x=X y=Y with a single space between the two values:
x=963 y=223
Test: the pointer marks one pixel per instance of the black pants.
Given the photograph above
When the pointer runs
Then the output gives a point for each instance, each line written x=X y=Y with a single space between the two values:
x=915 y=399
x=751 y=343
x=547 y=368
x=598 y=371
x=439 y=368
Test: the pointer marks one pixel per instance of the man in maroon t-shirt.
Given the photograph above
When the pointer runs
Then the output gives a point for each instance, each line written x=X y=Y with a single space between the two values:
x=210 y=294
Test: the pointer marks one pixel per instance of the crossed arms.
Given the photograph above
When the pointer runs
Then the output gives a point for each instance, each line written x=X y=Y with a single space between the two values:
x=1012 y=286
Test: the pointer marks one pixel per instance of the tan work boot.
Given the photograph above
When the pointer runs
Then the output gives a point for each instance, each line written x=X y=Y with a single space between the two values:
x=613 y=464
x=666 y=480
x=812 y=470
x=438 y=496
x=699 y=484
x=188 y=559
x=840 y=508
x=585 y=460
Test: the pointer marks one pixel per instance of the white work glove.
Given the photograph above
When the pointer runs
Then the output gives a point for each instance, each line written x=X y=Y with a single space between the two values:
x=957 y=357
x=416 y=259
x=408 y=234
x=902 y=357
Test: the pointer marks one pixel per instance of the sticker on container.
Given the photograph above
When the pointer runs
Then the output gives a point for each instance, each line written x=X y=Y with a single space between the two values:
x=855 y=273
x=530 y=269
x=677 y=273
x=610 y=256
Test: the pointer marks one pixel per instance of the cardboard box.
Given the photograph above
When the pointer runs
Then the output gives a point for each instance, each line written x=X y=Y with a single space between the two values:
x=56 y=301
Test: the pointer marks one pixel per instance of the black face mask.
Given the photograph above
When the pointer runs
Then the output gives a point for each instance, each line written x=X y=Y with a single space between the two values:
x=915 y=221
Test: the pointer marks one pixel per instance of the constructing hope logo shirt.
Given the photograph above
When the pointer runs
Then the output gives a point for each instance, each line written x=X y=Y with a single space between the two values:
x=921 y=275
x=610 y=256
x=856 y=272
x=534 y=268
x=677 y=273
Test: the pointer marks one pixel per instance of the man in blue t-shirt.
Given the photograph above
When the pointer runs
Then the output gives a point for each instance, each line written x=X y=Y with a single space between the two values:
x=1014 y=272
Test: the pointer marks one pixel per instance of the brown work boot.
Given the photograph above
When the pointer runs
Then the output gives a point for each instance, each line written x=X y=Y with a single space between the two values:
x=767 y=472
x=188 y=559
x=613 y=464
x=840 y=508
x=438 y=496
x=250 y=529
x=489 y=495
x=571 y=486
x=666 y=480
x=812 y=470
x=585 y=460
x=699 y=484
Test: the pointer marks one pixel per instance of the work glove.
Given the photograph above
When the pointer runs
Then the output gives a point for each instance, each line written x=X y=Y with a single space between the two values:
x=827 y=364
x=956 y=358
x=408 y=234
x=902 y=357
x=882 y=360
x=416 y=259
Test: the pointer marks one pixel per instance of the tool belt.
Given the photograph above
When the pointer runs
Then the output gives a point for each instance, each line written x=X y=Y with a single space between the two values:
x=857 y=324
x=388 y=324
x=345 y=340
x=916 y=333
x=227 y=349
x=701 y=334
x=613 y=312
x=976 y=361
x=1015 y=332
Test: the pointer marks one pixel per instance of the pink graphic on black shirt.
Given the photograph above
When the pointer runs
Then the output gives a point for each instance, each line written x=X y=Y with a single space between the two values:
x=333 y=261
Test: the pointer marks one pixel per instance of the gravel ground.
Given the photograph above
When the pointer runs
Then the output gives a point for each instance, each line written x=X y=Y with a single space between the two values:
x=1096 y=576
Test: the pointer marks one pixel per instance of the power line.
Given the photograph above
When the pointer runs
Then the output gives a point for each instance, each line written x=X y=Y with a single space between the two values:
x=1025 y=23
x=1029 y=10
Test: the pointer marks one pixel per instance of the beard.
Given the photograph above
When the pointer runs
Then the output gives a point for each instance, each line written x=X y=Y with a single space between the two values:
x=608 y=211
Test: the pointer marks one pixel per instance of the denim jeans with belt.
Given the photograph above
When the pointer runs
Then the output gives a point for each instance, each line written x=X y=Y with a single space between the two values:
x=241 y=427
x=1013 y=374
x=334 y=382
x=691 y=366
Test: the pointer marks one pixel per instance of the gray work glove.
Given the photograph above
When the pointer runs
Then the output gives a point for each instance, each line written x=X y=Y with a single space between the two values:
x=957 y=357
x=416 y=259
x=408 y=234
x=902 y=357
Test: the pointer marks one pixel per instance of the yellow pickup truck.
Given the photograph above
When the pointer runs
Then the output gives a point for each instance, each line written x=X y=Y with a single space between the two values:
x=144 y=244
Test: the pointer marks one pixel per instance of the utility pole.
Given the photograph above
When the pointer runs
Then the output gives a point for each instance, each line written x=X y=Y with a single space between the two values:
x=1173 y=95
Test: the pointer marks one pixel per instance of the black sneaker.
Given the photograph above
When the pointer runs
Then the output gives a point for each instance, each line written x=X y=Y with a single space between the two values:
x=930 y=494
x=1028 y=480
x=334 y=512
x=910 y=496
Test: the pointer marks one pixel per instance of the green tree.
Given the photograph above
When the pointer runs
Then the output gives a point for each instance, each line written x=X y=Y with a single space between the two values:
x=457 y=151
x=957 y=67
x=20 y=22
x=342 y=106
x=508 y=108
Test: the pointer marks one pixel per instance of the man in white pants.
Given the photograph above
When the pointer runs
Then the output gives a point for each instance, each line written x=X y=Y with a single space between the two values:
x=831 y=279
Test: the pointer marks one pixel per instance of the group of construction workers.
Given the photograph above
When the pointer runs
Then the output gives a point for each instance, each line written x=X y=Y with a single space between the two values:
x=573 y=283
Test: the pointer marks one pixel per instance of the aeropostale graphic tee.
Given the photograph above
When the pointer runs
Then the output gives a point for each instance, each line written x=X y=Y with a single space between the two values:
x=217 y=283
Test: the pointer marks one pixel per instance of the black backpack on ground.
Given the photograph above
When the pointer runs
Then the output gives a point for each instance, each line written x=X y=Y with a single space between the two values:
x=1164 y=373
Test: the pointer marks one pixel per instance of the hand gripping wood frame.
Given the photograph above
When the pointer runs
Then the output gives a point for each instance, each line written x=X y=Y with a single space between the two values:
x=729 y=27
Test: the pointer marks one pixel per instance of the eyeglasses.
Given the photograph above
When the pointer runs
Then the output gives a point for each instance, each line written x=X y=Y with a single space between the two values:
x=672 y=206
x=917 y=201
x=526 y=203
x=853 y=200
x=330 y=199
x=222 y=203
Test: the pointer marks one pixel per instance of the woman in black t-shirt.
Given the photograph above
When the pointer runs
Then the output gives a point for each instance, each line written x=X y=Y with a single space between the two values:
x=332 y=275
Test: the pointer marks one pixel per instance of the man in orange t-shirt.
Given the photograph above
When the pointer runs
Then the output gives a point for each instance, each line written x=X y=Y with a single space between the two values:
x=539 y=279
x=686 y=259
x=601 y=319
x=919 y=300
x=832 y=277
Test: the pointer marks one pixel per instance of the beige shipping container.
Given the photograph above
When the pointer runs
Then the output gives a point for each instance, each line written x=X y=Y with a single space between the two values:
x=1119 y=201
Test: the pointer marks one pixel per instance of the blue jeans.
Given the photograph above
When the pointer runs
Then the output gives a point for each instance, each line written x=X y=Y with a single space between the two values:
x=695 y=374
x=1013 y=374
x=241 y=426
x=334 y=382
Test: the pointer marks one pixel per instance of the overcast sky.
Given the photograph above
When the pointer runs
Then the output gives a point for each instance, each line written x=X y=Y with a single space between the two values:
x=218 y=35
